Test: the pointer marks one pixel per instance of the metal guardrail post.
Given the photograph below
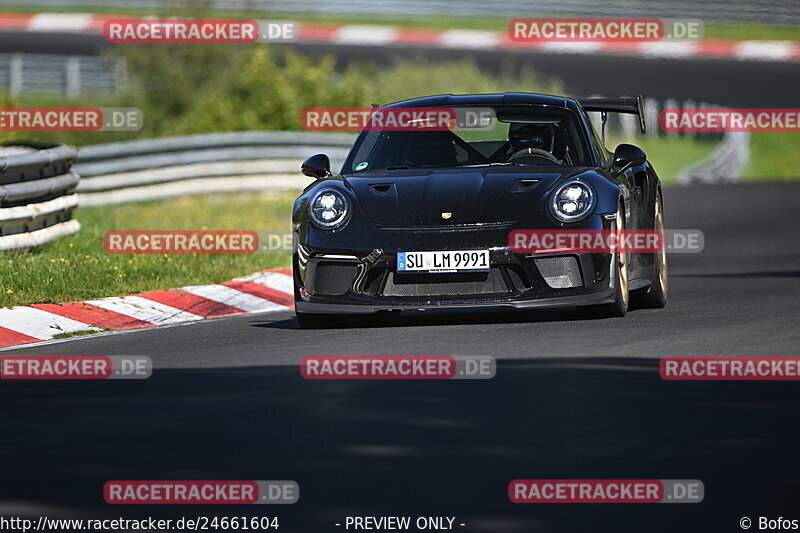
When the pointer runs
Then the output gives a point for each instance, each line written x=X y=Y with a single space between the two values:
x=73 y=76
x=15 y=75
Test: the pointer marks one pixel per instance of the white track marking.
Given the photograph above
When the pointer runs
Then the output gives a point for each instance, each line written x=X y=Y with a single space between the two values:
x=668 y=49
x=573 y=47
x=770 y=50
x=468 y=39
x=39 y=324
x=241 y=300
x=273 y=280
x=60 y=22
x=144 y=309
x=377 y=35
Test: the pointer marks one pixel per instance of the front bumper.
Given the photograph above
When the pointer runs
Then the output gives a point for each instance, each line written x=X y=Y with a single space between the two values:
x=332 y=279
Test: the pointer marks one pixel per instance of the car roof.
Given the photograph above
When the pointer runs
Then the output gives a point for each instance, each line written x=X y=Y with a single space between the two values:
x=445 y=100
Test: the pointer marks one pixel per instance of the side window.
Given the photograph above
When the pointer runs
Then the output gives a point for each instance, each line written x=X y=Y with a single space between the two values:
x=597 y=144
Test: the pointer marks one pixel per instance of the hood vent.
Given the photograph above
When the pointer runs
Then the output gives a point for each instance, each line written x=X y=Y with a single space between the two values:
x=524 y=184
x=382 y=189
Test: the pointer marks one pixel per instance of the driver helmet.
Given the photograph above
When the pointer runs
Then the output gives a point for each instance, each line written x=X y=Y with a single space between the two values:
x=524 y=136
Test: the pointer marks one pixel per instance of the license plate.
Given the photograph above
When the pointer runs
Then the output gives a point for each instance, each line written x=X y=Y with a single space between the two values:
x=445 y=261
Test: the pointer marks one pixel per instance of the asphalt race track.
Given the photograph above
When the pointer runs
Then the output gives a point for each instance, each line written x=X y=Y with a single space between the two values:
x=573 y=398
x=728 y=82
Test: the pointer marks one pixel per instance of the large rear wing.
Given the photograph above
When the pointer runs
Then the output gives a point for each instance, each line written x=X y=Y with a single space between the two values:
x=633 y=106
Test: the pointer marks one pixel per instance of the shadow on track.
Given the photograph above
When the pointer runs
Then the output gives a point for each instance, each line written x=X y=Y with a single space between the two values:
x=744 y=275
x=411 y=447
x=436 y=317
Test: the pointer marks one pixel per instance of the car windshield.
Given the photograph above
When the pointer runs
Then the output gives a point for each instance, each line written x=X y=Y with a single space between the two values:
x=528 y=136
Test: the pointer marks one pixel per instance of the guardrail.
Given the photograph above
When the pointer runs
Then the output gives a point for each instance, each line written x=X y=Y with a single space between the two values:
x=36 y=194
x=724 y=165
x=123 y=172
x=69 y=75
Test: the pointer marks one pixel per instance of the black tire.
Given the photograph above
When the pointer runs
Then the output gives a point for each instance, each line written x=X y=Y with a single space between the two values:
x=655 y=297
x=619 y=307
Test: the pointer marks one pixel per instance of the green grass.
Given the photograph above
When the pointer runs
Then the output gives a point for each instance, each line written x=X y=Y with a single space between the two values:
x=77 y=268
x=712 y=30
x=774 y=156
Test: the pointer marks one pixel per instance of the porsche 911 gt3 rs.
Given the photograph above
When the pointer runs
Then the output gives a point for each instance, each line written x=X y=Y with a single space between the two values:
x=421 y=219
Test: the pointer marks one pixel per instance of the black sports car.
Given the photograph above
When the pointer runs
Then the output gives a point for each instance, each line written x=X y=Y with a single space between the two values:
x=421 y=219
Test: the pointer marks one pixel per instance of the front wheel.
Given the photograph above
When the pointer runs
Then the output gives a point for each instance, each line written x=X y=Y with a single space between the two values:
x=656 y=295
x=619 y=307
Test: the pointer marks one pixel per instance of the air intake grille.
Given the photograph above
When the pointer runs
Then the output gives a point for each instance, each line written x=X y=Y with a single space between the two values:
x=560 y=272
x=332 y=278
x=445 y=284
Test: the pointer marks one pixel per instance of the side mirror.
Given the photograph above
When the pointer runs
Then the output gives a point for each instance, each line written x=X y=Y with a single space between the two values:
x=628 y=154
x=317 y=166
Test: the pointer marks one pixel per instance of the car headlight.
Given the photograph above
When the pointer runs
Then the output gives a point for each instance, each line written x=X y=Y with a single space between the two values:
x=572 y=201
x=329 y=209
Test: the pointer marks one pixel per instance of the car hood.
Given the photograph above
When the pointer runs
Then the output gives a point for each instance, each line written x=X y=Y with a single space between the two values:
x=413 y=198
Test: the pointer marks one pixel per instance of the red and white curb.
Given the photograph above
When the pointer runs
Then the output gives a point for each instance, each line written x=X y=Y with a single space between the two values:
x=267 y=291
x=373 y=35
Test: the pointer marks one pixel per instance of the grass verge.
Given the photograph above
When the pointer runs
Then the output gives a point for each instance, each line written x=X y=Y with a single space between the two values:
x=78 y=268
x=774 y=156
x=79 y=333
